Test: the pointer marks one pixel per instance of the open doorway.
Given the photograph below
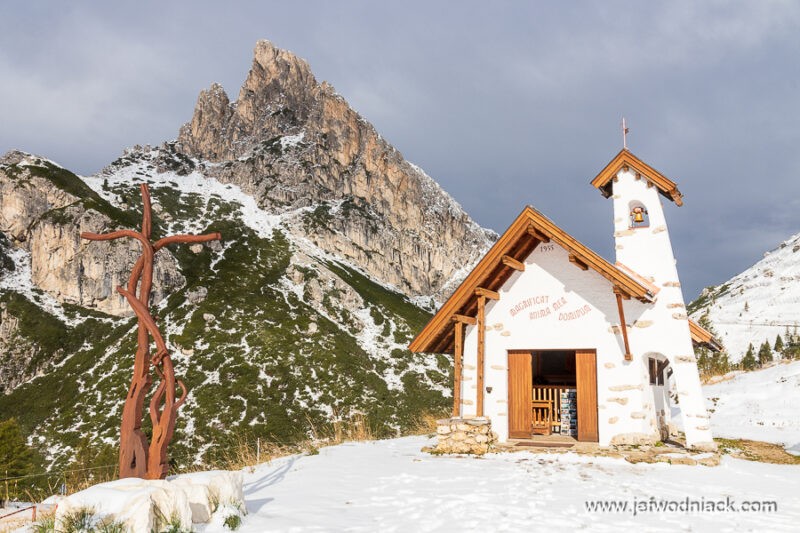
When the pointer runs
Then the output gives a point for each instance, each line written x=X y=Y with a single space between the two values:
x=556 y=389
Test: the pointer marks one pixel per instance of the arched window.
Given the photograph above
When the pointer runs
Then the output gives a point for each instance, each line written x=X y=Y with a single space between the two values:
x=638 y=215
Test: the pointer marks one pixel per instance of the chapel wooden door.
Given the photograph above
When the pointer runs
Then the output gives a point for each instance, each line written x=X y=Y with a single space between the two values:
x=586 y=381
x=520 y=383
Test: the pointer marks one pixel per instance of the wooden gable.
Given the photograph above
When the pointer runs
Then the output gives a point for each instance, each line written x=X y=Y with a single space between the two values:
x=701 y=337
x=504 y=258
x=626 y=160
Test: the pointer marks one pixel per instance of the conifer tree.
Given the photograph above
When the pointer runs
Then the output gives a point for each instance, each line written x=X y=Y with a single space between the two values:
x=709 y=362
x=16 y=459
x=778 y=345
x=764 y=354
x=749 y=359
x=791 y=348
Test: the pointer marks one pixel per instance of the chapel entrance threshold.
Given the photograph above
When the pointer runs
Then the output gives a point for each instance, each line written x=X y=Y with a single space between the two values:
x=545 y=441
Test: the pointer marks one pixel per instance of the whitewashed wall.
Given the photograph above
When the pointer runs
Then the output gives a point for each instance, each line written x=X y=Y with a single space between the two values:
x=577 y=309
x=664 y=328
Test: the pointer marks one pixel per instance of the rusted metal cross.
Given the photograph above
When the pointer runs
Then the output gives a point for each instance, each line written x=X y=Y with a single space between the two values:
x=137 y=458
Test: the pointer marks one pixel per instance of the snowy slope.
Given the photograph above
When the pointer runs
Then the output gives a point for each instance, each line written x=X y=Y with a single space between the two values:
x=391 y=486
x=759 y=303
x=760 y=405
x=288 y=337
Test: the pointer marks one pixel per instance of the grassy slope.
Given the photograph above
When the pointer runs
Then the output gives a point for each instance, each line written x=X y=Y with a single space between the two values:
x=255 y=370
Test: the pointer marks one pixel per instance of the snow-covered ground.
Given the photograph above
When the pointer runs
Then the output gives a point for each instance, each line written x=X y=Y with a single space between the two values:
x=760 y=405
x=392 y=486
x=760 y=303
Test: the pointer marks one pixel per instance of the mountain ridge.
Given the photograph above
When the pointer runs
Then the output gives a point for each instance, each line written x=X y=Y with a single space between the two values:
x=330 y=263
x=757 y=304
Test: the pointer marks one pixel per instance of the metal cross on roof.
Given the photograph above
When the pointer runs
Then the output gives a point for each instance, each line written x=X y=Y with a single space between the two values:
x=625 y=130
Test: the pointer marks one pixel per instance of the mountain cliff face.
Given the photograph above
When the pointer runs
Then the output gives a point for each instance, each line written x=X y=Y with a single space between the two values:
x=334 y=250
x=43 y=209
x=757 y=305
x=293 y=143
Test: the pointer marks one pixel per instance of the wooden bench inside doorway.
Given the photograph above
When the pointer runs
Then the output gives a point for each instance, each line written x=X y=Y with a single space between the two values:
x=542 y=417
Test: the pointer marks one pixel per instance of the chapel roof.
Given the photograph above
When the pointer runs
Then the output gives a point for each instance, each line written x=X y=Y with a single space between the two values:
x=512 y=248
x=626 y=160
x=527 y=231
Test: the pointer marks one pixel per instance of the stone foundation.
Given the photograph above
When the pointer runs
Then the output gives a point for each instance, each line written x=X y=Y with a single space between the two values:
x=464 y=435
x=635 y=439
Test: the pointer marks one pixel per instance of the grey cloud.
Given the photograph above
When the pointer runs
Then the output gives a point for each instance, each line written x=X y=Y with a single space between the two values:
x=503 y=103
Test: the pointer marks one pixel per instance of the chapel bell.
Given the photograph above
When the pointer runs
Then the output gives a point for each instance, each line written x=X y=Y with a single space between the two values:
x=638 y=214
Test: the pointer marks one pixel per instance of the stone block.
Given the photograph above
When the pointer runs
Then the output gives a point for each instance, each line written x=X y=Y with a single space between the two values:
x=609 y=365
x=620 y=388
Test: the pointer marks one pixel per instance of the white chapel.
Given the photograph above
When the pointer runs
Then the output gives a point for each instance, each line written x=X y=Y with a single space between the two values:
x=549 y=337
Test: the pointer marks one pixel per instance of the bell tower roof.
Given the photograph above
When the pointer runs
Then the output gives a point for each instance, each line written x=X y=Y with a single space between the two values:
x=625 y=160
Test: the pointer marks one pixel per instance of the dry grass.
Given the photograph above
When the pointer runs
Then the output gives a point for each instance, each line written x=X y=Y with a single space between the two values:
x=77 y=481
x=753 y=450
x=425 y=424
x=354 y=428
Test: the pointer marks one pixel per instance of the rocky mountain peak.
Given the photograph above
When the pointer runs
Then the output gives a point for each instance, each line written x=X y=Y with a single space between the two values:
x=300 y=150
x=279 y=91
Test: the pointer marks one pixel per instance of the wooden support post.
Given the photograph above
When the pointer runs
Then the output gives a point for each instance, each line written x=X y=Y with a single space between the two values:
x=513 y=263
x=471 y=320
x=623 y=326
x=577 y=262
x=487 y=293
x=481 y=350
x=458 y=354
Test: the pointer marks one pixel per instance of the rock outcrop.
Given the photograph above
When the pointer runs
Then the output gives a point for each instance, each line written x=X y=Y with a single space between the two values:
x=44 y=210
x=16 y=353
x=299 y=148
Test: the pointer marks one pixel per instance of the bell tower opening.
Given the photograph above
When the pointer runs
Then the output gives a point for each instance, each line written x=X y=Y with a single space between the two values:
x=639 y=217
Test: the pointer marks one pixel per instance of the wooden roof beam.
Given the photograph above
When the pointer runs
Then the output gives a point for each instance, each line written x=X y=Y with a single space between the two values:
x=513 y=263
x=577 y=262
x=536 y=234
x=487 y=293
x=464 y=319
x=621 y=293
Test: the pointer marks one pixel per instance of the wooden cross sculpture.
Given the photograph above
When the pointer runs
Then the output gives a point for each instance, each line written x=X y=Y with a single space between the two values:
x=136 y=457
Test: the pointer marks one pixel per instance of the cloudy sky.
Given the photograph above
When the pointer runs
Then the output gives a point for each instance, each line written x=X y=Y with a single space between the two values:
x=503 y=103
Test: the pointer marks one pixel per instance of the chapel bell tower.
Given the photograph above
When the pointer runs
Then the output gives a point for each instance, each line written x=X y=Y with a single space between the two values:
x=640 y=227
x=643 y=249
